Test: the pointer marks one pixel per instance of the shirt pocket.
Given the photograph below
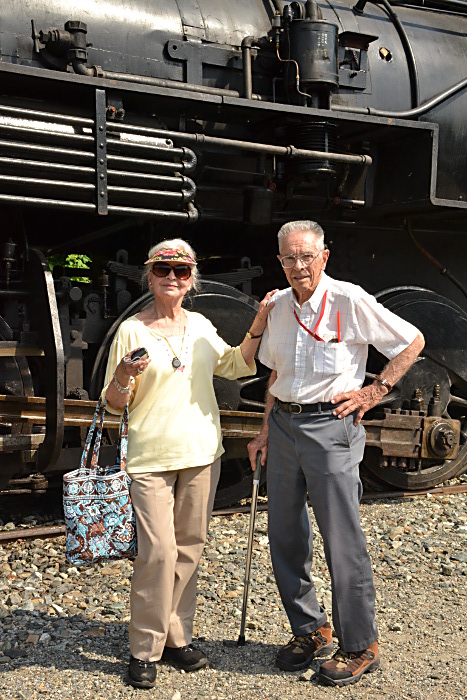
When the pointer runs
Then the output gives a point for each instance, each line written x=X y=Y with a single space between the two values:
x=332 y=358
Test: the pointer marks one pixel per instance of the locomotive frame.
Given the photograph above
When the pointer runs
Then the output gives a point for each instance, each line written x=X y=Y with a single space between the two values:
x=104 y=152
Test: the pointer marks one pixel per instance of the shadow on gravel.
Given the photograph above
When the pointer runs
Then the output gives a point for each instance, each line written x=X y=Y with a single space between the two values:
x=95 y=646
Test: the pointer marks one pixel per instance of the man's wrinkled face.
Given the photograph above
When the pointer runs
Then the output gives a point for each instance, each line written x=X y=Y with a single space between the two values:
x=304 y=276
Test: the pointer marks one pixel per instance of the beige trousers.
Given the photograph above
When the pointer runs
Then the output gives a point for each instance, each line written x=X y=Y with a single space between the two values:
x=172 y=517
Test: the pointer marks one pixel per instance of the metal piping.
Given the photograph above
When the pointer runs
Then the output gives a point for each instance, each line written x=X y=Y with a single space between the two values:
x=191 y=214
x=247 y=44
x=439 y=266
x=277 y=6
x=186 y=165
x=409 y=113
x=80 y=68
x=447 y=5
x=60 y=135
x=186 y=191
x=20 y=112
x=65 y=168
x=246 y=58
x=34 y=147
x=160 y=82
x=287 y=151
x=173 y=166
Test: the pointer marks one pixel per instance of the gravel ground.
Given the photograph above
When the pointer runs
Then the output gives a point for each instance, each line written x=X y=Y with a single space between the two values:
x=64 y=631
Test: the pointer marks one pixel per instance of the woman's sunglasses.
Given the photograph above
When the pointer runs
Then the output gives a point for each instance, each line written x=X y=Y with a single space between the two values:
x=162 y=269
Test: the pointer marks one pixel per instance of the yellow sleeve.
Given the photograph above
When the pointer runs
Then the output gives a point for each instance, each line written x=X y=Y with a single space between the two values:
x=231 y=364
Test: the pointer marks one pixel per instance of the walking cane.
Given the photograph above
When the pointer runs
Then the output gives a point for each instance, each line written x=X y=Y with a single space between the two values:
x=246 y=582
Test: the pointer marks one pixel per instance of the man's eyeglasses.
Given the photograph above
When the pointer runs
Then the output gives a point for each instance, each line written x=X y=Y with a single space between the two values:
x=306 y=259
x=162 y=269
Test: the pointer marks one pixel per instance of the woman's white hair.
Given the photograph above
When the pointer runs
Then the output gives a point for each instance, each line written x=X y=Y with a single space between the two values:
x=177 y=244
x=305 y=227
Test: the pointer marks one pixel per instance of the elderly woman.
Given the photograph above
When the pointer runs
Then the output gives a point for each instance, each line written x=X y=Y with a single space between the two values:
x=174 y=450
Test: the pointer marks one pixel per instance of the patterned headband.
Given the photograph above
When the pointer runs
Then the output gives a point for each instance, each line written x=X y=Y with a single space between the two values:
x=171 y=255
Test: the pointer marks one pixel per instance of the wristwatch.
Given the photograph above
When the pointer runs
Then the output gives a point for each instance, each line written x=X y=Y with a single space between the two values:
x=384 y=382
x=252 y=337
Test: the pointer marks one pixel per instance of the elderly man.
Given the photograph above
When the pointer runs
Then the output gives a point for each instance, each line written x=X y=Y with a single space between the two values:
x=316 y=345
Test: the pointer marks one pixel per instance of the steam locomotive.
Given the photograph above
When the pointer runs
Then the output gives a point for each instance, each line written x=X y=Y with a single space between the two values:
x=123 y=123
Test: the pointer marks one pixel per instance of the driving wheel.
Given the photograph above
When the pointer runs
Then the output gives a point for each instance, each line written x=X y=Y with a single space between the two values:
x=443 y=362
x=232 y=313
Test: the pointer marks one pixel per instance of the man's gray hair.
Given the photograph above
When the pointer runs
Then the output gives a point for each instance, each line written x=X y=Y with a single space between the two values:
x=306 y=227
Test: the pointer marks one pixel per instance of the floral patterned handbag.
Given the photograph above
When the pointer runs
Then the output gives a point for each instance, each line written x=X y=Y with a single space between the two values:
x=99 y=517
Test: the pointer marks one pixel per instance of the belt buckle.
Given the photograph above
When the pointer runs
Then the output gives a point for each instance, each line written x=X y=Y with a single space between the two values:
x=295 y=405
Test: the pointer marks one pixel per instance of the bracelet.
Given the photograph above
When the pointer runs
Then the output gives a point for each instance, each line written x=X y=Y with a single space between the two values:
x=119 y=387
x=253 y=337
x=384 y=382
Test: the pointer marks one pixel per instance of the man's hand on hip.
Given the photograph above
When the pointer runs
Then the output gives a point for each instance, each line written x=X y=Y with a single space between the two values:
x=360 y=401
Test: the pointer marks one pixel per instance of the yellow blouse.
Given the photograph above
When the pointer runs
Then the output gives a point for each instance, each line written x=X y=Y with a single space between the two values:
x=174 y=418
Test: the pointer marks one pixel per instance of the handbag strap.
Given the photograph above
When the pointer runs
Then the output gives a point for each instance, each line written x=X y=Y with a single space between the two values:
x=122 y=445
x=100 y=411
x=98 y=440
x=123 y=440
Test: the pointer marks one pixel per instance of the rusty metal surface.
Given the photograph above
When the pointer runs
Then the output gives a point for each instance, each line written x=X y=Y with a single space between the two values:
x=59 y=530
x=11 y=348
x=31 y=410
x=395 y=434
x=32 y=532
x=449 y=432
x=402 y=437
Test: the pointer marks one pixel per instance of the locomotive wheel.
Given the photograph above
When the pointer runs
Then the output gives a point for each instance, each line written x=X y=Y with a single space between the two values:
x=231 y=312
x=443 y=362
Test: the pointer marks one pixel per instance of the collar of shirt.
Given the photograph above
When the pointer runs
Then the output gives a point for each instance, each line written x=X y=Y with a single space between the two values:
x=316 y=298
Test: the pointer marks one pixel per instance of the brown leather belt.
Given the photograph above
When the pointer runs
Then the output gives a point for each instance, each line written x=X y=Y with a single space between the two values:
x=297 y=408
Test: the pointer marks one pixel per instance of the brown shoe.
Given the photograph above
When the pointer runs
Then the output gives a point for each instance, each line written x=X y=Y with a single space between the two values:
x=346 y=668
x=301 y=650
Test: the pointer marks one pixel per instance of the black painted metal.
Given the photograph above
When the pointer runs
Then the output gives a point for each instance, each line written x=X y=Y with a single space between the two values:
x=443 y=363
x=54 y=174
x=102 y=195
x=202 y=137
x=46 y=324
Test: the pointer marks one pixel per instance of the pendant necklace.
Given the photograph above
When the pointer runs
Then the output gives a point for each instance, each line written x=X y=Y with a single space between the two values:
x=176 y=363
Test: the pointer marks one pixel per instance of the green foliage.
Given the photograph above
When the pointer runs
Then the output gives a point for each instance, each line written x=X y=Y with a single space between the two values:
x=72 y=260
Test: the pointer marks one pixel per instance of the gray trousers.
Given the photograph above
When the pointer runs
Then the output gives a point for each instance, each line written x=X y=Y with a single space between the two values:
x=320 y=454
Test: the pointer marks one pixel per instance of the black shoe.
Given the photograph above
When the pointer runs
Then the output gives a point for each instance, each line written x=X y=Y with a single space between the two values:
x=188 y=657
x=142 y=674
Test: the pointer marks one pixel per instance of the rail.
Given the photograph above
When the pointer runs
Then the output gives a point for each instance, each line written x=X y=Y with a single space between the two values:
x=59 y=530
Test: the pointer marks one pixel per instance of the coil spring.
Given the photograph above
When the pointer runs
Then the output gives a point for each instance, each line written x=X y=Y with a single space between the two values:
x=318 y=136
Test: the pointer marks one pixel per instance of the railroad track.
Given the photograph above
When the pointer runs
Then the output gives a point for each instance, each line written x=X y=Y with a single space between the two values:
x=59 y=530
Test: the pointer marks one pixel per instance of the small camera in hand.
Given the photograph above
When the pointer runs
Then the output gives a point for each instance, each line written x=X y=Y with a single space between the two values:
x=139 y=354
